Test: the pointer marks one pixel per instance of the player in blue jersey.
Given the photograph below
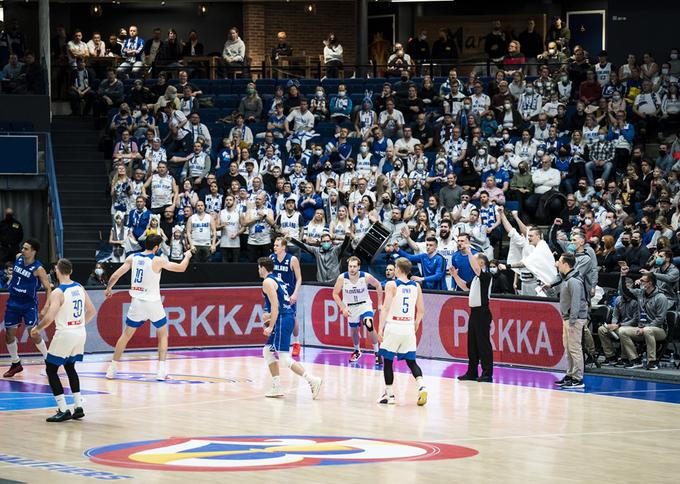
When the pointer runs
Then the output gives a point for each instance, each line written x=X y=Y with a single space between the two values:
x=27 y=276
x=279 y=322
x=287 y=267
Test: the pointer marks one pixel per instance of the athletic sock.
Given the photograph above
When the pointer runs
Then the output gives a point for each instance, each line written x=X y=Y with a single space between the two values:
x=42 y=347
x=162 y=366
x=308 y=377
x=61 y=402
x=77 y=402
x=13 y=349
x=389 y=391
x=296 y=339
x=376 y=348
x=420 y=381
x=276 y=381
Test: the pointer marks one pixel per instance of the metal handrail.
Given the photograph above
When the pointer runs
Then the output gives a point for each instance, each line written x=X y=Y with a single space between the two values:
x=54 y=195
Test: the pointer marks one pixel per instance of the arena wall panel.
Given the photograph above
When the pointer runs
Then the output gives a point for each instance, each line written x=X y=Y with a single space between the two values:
x=524 y=332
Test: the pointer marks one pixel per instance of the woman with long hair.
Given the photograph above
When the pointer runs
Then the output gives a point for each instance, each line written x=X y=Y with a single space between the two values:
x=341 y=225
x=607 y=258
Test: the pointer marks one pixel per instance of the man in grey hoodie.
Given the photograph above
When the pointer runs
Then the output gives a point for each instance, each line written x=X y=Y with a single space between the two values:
x=574 y=310
x=653 y=306
x=586 y=266
x=327 y=257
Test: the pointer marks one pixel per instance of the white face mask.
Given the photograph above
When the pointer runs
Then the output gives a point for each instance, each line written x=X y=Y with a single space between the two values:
x=665 y=71
x=618 y=207
x=508 y=106
x=540 y=153
x=317 y=152
x=99 y=271
x=482 y=152
x=506 y=137
x=530 y=90
x=341 y=93
x=420 y=166
x=319 y=93
x=674 y=56
x=589 y=221
x=564 y=79
x=493 y=270
x=493 y=166
x=363 y=149
x=551 y=51
x=601 y=137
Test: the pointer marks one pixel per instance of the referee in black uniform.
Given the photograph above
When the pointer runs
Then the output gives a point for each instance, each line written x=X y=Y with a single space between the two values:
x=479 y=324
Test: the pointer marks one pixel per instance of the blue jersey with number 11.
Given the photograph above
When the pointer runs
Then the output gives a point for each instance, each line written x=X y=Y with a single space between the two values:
x=281 y=295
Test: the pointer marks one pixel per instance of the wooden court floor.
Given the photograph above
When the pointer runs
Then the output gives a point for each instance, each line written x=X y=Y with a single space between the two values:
x=516 y=430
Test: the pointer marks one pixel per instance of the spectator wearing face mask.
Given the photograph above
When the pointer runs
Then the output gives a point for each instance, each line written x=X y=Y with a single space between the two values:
x=667 y=275
x=341 y=106
x=98 y=277
x=327 y=256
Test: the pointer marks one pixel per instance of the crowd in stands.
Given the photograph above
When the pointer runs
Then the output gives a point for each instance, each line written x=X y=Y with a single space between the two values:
x=559 y=148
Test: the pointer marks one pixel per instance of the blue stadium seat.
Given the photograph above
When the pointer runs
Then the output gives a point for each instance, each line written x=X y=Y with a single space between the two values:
x=325 y=129
x=222 y=86
x=163 y=130
x=353 y=84
x=202 y=85
x=330 y=85
x=265 y=86
x=257 y=127
x=238 y=86
x=5 y=126
x=227 y=101
x=209 y=115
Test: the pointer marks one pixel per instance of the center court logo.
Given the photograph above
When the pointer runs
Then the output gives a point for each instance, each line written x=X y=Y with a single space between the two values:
x=267 y=452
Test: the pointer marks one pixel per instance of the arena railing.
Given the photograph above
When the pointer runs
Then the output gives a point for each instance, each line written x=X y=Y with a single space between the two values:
x=55 y=205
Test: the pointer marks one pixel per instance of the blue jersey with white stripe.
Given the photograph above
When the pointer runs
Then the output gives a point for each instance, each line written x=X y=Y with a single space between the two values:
x=283 y=270
x=24 y=285
x=281 y=295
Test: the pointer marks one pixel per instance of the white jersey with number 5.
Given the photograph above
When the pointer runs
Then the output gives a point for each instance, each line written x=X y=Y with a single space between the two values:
x=403 y=307
x=71 y=315
x=145 y=283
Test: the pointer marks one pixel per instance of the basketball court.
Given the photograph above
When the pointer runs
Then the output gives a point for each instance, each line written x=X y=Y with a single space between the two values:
x=211 y=422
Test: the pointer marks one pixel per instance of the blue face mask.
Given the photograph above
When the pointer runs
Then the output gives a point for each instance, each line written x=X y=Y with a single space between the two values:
x=660 y=261
x=326 y=246
x=571 y=248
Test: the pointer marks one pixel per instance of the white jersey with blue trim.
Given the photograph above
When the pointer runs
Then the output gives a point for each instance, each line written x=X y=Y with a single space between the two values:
x=403 y=309
x=145 y=282
x=71 y=314
x=355 y=292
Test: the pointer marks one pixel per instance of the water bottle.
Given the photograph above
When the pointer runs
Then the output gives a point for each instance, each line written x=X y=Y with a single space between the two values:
x=643 y=319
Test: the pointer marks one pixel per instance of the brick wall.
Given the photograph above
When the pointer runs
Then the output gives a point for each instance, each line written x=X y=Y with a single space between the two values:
x=262 y=21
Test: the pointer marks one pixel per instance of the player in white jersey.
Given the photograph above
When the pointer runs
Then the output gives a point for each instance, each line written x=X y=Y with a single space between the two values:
x=70 y=309
x=352 y=297
x=146 y=302
x=400 y=317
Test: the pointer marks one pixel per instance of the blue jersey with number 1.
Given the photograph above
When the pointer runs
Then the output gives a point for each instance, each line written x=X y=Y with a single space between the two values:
x=24 y=285
x=281 y=295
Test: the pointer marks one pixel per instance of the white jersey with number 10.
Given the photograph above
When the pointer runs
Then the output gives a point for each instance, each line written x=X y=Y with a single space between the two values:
x=403 y=307
x=145 y=283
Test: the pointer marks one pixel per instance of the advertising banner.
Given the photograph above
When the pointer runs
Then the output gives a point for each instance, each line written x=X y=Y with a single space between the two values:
x=526 y=333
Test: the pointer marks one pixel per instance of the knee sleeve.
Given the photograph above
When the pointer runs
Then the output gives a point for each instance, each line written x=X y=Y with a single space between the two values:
x=73 y=380
x=388 y=371
x=368 y=322
x=415 y=369
x=268 y=355
x=286 y=359
x=53 y=378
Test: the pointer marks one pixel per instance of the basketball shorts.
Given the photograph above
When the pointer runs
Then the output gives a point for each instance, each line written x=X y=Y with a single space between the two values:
x=140 y=310
x=67 y=347
x=358 y=312
x=398 y=342
x=279 y=340
x=15 y=314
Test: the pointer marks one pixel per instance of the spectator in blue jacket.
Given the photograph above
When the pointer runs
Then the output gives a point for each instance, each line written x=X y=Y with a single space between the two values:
x=308 y=203
x=341 y=106
x=339 y=150
x=621 y=134
x=433 y=266
x=138 y=219
x=461 y=262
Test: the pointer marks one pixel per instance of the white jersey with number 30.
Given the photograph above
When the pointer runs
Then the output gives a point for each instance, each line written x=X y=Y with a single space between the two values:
x=71 y=314
x=403 y=307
